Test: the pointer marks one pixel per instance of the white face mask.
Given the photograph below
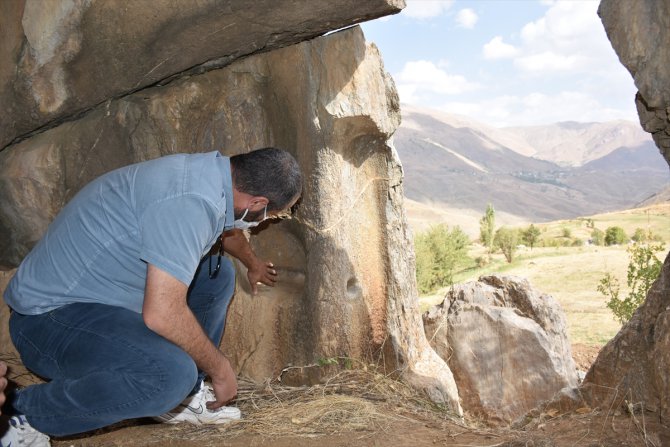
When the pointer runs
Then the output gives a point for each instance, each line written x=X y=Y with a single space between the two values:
x=242 y=224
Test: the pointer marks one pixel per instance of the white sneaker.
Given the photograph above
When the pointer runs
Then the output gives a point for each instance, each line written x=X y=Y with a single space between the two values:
x=194 y=410
x=21 y=434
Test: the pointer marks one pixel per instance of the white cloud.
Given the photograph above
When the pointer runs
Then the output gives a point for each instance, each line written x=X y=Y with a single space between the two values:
x=547 y=61
x=423 y=79
x=466 y=18
x=497 y=49
x=570 y=37
x=538 y=108
x=426 y=9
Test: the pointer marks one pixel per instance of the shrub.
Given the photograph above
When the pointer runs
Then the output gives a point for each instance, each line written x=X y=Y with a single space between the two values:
x=506 y=241
x=597 y=237
x=566 y=232
x=639 y=236
x=643 y=269
x=615 y=236
x=438 y=252
x=530 y=236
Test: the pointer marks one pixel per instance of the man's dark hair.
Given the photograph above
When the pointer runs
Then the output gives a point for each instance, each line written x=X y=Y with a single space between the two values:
x=268 y=172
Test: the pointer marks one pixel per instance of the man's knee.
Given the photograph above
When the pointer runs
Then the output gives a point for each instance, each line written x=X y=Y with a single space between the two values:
x=173 y=380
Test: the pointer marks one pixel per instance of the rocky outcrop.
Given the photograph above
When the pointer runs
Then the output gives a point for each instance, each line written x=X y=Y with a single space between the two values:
x=637 y=30
x=632 y=368
x=346 y=286
x=505 y=343
x=61 y=58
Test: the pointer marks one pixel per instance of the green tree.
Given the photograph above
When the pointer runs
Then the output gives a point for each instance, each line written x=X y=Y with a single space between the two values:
x=531 y=236
x=597 y=237
x=643 y=269
x=487 y=225
x=506 y=240
x=439 y=251
x=615 y=236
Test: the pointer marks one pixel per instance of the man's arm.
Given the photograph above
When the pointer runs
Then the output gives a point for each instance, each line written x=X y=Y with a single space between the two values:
x=236 y=244
x=166 y=312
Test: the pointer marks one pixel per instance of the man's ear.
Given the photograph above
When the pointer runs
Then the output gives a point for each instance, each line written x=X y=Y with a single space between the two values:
x=258 y=203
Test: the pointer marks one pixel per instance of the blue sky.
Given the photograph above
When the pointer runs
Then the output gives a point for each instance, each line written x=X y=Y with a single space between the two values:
x=505 y=62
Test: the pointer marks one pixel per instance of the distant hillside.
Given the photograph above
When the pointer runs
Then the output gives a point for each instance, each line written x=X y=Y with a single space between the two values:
x=660 y=197
x=463 y=164
x=575 y=144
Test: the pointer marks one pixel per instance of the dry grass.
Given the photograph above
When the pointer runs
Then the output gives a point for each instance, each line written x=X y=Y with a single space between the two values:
x=357 y=400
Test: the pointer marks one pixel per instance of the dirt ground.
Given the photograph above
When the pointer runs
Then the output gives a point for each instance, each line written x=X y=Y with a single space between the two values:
x=584 y=355
x=369 y=410
x=590 y=430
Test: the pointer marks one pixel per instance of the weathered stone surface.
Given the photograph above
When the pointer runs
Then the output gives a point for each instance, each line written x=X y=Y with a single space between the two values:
x=633 y=367
x=61 y=57
x=6 y=346
x=505 y=343
x=640 y=34
x=347 y=285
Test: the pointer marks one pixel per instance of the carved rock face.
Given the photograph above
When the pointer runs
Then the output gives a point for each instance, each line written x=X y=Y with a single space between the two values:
x=506 y=344
x=347 y=285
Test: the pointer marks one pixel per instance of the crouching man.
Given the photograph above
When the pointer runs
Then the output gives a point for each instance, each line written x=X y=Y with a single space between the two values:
x=121 y=306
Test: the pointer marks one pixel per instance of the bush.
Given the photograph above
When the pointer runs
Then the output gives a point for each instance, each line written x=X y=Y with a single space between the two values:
x=639 y=236
x=577 y=242
x=597 y=237
x=643 y=269
x=567 y=233
x=438 y=252
x=506 y=241
x=615 y=236
x=530 y=236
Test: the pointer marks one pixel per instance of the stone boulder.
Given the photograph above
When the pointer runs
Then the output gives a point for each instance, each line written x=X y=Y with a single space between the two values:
x=60 y=58
x=346 y=270
x=633 y=368
x=506 y=344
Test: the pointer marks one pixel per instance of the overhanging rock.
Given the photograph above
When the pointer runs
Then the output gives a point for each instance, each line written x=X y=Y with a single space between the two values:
x=59 y=58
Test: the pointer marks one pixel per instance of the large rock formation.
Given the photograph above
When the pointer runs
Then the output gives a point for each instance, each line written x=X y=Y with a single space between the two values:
x=637 y=31
x=506 y=344
x=64 y=57
x=633 y=367
x=347 y=284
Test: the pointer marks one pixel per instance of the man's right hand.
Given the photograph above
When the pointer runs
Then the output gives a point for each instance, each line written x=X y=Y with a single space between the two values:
x=224 y=383
x=165 y=311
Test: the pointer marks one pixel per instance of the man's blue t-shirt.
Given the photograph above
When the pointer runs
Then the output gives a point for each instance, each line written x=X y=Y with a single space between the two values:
x=167 y=212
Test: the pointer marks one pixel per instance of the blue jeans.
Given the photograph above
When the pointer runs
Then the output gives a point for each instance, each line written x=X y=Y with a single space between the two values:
x=104 y=365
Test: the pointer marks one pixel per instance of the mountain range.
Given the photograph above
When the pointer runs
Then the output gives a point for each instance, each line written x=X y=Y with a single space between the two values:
x=536 y=173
